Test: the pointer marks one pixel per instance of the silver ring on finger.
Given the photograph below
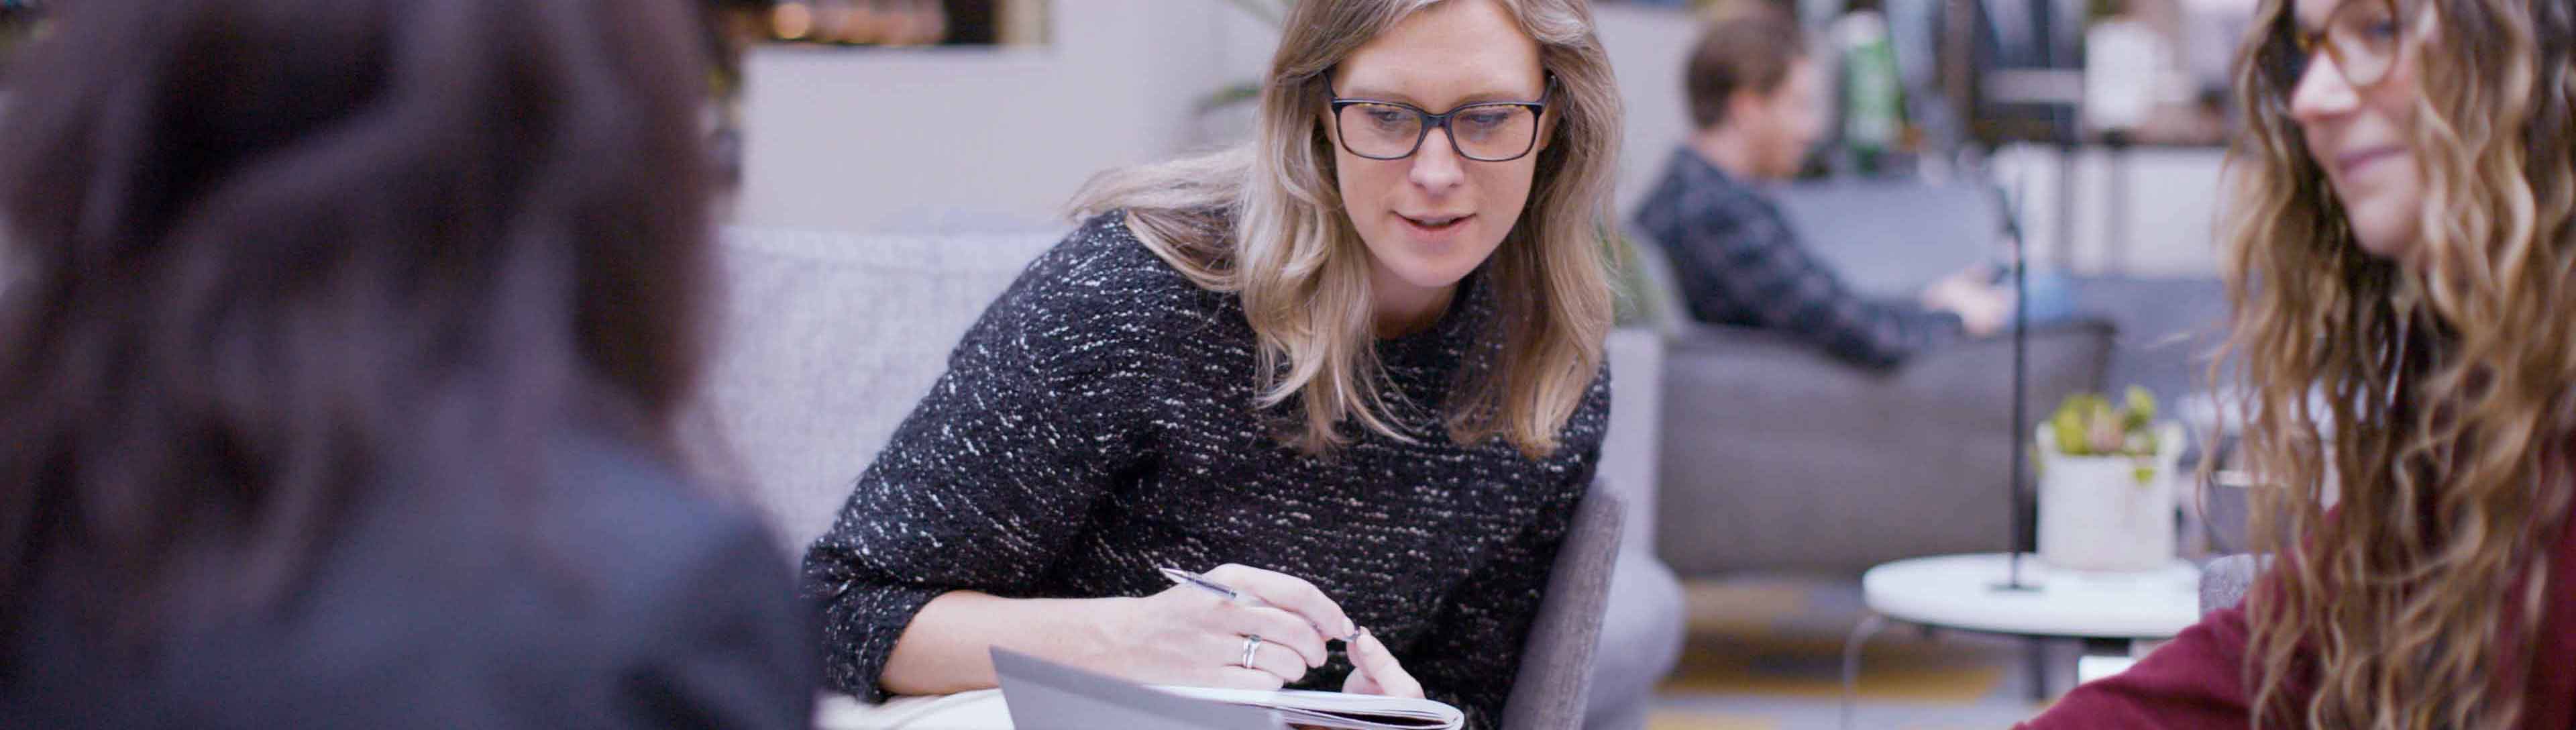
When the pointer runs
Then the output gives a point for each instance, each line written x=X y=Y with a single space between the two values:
x=1250 y=644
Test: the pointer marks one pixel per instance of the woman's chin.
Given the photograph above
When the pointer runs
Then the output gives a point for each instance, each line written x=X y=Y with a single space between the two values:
x=1438 y=269
x=1436 y=275
x=2386 y=235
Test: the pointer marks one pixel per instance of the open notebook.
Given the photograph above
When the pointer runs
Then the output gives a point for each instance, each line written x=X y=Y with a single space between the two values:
x=1044 y=695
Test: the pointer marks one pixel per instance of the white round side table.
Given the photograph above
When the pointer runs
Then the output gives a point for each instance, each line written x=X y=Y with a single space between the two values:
x=1970 y=593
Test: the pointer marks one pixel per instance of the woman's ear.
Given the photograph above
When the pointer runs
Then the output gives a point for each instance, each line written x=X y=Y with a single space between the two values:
x=1548 y=116
x=1546 y=126
x=1324 y=115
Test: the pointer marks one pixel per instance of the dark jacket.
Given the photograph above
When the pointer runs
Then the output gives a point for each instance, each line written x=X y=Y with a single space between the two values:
x=613 y=597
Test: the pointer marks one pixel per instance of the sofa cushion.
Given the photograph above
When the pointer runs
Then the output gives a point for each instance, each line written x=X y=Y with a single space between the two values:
x=825 y=342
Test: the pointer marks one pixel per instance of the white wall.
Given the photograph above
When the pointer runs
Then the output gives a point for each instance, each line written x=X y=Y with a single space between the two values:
x=2165 y=223
x=1647 y=45
x=929 y=140
x=906 y=139
x=886 y=139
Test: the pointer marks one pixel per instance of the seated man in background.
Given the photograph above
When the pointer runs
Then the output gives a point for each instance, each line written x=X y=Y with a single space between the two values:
x=1756 y=104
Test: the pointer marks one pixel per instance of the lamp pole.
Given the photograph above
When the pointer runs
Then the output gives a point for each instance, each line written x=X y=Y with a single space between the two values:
x=2020 y=374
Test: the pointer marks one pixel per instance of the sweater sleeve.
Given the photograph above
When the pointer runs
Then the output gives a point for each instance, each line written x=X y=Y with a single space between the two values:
x=2194 y=681
x=990 y=478
x=1473 y=652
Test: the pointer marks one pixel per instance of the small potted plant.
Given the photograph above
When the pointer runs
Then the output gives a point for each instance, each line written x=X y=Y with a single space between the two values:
x=2106 y=484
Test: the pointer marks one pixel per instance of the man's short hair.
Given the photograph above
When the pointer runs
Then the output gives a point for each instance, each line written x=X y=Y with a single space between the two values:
x=1751 y=48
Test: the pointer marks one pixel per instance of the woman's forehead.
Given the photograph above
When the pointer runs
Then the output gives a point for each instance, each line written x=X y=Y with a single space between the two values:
x=1434 y=85
x=1458 y=48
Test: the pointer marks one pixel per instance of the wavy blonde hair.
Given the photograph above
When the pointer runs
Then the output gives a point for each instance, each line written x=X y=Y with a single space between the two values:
x=2432 y=398
x=1265 y=222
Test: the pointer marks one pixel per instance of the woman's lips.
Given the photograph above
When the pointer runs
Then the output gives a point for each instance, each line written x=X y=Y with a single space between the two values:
x=2352 y=163
x=1434 y=227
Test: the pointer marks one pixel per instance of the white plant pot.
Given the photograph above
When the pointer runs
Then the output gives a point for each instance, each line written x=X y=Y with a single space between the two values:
x=2095 y=513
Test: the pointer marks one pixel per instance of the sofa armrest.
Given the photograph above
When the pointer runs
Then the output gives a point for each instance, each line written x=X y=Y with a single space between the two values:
x=1555 y=674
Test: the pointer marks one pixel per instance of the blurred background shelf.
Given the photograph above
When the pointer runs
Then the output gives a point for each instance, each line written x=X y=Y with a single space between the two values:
x=893 y=23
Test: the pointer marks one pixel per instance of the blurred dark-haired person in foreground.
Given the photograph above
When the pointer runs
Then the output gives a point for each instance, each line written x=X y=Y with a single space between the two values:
x=343 y=342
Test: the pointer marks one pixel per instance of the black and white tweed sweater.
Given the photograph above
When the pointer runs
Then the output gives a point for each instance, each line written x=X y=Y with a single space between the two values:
x=1099 y=421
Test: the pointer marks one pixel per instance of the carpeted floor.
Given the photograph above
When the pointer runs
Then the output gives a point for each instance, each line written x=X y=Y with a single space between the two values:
x=1765 y=653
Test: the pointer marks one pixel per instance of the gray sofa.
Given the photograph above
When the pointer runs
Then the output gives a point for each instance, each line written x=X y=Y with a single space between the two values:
x=829 y=339
x=1778 y=457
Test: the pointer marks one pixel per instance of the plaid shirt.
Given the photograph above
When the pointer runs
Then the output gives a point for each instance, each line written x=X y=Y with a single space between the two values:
x=1739 y=263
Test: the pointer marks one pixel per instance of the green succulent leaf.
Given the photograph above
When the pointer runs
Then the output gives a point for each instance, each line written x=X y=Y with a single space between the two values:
x=2142 y=408
x=2068 y=428
x=2088 y=424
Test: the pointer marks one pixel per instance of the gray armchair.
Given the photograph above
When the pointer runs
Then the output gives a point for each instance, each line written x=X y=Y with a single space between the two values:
x=1556 y=660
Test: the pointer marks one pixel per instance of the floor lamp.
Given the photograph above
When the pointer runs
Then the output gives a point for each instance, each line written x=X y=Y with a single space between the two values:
x=2020 y=376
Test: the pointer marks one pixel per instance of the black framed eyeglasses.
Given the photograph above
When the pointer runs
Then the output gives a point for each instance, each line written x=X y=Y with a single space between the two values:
x=1487 y=131
x=2362 y=36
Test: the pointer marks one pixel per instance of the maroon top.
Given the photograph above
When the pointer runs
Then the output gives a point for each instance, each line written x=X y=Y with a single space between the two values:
x=2197 y=681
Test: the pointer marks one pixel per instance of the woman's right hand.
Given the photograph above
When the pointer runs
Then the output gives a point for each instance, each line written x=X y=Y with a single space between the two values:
x=1189 y=636
x=1983 y=309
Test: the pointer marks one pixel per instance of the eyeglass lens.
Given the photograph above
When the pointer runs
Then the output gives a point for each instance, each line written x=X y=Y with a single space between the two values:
x=1488 y=132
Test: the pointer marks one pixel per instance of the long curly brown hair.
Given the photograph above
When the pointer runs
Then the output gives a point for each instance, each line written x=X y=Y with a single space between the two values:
x=2431 y=398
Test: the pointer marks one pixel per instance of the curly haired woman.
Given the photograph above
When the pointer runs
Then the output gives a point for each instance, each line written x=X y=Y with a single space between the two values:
x=2404 y=279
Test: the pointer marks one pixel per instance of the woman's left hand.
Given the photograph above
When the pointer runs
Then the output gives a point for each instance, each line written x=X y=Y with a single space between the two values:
x=1374 y=670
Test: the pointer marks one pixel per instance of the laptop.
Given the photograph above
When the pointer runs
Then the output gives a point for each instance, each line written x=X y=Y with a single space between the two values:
x=1044 y=695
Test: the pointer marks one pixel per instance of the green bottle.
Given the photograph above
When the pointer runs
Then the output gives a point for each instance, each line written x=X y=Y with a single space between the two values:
x=1873 y=97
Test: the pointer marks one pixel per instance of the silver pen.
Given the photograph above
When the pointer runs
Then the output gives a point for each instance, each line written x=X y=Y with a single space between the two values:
x=1240 y=598
x=1183 y=577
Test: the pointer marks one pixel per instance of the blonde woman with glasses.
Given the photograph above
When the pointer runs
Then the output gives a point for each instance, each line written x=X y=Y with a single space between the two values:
x=2401 y=247
x=1352 y=371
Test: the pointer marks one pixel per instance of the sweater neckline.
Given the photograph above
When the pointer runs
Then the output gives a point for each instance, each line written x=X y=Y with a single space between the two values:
x=1440 y=345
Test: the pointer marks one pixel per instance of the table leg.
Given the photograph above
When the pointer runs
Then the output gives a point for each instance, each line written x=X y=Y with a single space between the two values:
x=2035 y=651
x=2106 y=657
x=1851 y=663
